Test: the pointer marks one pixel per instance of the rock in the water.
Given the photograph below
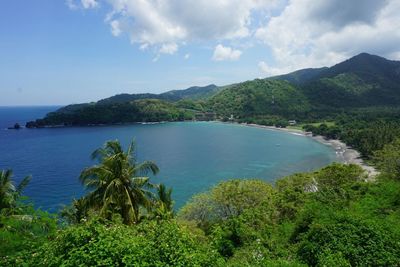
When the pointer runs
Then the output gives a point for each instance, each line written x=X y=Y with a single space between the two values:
x=16 y=127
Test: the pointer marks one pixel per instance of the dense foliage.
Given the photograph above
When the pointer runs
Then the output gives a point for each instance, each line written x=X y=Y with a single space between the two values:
x=259 y=97
x=365 y=130
x=147 y=110
x=331 y=217
x=105 y=243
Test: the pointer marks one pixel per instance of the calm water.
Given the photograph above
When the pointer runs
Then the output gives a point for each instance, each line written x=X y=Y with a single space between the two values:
x=192 y=156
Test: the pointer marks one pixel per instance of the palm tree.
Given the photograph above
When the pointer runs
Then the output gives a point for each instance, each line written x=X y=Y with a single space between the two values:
x=76 y=212
x=118 y=183
x=164 y=204
x=9 y=193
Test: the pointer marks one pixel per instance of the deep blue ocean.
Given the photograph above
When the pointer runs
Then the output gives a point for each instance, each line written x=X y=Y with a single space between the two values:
x=192 y=156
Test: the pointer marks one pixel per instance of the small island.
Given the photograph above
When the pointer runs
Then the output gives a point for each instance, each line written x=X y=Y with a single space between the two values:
x=15 y=127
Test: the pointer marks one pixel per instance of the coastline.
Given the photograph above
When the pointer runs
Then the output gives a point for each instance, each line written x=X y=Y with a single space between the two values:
x=346 y=154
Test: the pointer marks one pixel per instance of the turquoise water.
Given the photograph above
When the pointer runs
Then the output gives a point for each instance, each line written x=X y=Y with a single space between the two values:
x=192 y=156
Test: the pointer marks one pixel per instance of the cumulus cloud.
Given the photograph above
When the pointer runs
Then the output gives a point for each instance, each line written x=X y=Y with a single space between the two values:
x=89 y=3
x=115 y=28
x=163 y=23
x=222 y=53
x=263 y=67
x=311 y=33
x=86 y=4
x=298 y=33
x=268 y=70
x=169 y=48
x=71 y=4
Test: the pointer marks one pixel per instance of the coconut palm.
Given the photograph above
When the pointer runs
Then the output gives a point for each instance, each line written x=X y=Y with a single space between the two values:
x=76 y=212
x=9 y=193
x=164 y=204
x=118 y=184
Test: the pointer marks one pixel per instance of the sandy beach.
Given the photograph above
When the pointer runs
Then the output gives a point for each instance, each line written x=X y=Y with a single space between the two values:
x=345 y=153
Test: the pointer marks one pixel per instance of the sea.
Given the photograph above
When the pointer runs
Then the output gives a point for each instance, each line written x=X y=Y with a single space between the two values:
x=192 y=156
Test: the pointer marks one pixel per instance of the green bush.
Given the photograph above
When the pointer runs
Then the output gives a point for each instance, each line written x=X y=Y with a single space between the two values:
x=99 y=243
x=347 y=240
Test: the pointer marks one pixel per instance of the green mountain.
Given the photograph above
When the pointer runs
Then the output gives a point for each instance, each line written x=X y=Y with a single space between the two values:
x=361 y=81
x=123 y=98
x=259 y=97
x=143 y=110
x=300 y=76
x=192 y=93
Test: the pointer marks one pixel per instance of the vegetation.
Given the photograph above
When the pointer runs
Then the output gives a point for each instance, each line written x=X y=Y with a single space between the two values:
x=259 y=97
x=335 y=216
x=330 y=217
x=146 y=110
x=117 y=184
x=9 y=193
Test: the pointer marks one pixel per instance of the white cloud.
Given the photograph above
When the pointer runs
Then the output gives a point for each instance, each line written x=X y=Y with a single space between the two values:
x=298 y=33
x=312 y=34
x=164 y=22
x=71 y=4
x=115 y=28
x=85 y=4
x=225 y=53
x=268 y=70
x=263 y=67
x=187 y=56
x=169 y=48
x=89 y=3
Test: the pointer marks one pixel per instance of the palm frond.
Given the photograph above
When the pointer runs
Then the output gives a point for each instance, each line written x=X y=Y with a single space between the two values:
x=146 y=167
x=23 y=184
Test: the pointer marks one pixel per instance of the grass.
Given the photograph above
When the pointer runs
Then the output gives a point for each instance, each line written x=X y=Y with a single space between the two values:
x=316 y=124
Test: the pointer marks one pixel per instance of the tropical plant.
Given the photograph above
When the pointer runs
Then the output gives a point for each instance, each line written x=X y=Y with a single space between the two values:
x=101 y=243
x=9 y=193
x=164 y=205
x=388 y=159
x=76 y=212
x=118 y=183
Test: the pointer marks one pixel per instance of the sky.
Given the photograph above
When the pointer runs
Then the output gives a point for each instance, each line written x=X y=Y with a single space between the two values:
x=58 y=52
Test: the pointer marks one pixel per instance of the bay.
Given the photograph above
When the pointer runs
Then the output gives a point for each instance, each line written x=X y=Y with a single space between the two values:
x=192 y=156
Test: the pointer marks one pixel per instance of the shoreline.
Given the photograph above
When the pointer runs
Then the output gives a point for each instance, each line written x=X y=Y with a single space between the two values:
x=346 y=154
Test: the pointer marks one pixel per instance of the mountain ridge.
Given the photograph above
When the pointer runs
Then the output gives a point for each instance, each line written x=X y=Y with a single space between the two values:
x=361 y=81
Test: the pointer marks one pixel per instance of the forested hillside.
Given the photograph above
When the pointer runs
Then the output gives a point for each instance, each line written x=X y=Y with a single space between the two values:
x=362 y=81
x=260 y=97
x=145 y=110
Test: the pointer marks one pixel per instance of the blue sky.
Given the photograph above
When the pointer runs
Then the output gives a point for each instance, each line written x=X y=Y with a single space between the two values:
x=62 y=52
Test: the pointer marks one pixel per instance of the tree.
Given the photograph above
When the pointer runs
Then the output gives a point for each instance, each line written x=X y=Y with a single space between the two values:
x=76 y=212
x=227 y=200
x=119 y=184
x=9 y=193
x=164 y=205
x=388 y=159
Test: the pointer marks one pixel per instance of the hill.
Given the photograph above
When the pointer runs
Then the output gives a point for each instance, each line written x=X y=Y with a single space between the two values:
x=361 y=81
x=192 y=93
x=144 y=110
x=299 y=76
x=259 y=97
